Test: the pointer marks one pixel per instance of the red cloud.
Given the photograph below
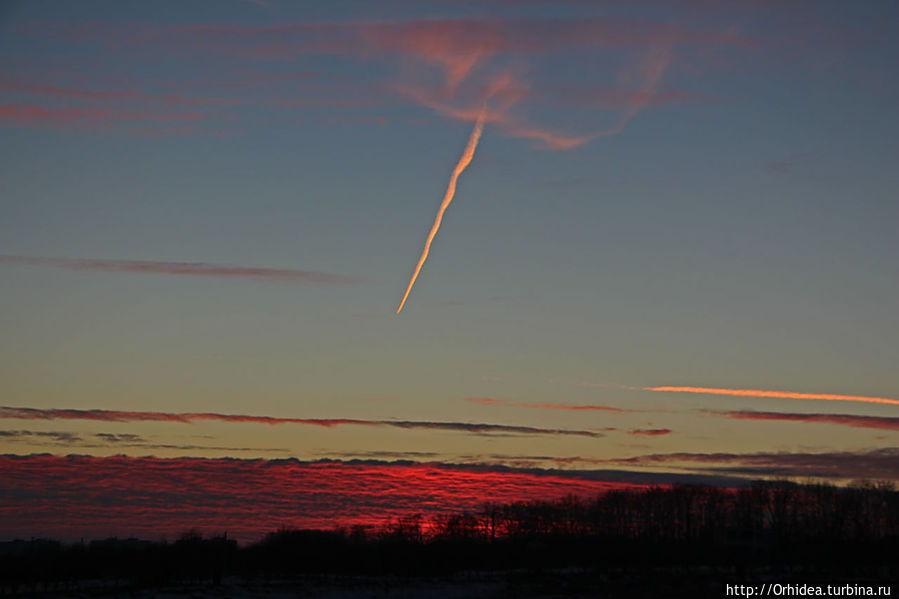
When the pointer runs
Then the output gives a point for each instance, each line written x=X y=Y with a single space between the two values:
x=650 y=432
x=81 y=496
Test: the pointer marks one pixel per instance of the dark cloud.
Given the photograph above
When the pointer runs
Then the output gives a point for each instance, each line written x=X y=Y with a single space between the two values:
x=118 y=440
x=124 y=416
x=200 y=269
x=54 y=436
x=487 y=429
x=875 y=422
x=383 y=455
x=194 y=447
x=873 y=464
x=120 y=437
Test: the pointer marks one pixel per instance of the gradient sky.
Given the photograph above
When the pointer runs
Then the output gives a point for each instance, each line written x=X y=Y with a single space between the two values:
x=215 y=207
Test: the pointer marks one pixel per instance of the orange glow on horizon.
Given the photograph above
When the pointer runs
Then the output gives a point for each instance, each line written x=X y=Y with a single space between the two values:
x=464 y=161
x=777 y=394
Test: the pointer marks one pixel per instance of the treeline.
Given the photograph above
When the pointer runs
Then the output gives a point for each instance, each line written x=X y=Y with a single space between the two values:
x=853 y=529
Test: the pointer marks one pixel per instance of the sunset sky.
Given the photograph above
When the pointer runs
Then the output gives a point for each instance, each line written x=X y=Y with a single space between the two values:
x=680 y=219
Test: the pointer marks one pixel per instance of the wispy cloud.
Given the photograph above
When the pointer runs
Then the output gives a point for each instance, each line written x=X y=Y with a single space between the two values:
x=650 y=432
x=773 y=394
x=200 y=269
x=508 y=92
x=489 y=401
x=119 y=437
x=640 y=84
x=28 y=87
x=119 y=102
x=187 y=418
x=382 y=455
x=874 y=422
x=134 y=120
x=118 y=440
x=42 y=436
x=651 y=69
x=565 y=96
x=443 y=41
x=471 y=56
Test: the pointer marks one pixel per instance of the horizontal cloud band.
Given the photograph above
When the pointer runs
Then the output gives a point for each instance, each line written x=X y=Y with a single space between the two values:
x=124 y=416
x=876 y=464
x=875 y=422
x=180 y=268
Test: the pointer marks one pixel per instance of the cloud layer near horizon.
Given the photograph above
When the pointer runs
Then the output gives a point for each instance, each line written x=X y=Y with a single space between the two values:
x=489 y=401
x=82 y=496
x=187 y=418
x=874 y=464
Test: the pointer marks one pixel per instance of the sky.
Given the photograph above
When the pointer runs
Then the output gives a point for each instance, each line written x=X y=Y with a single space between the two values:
x=670 y=255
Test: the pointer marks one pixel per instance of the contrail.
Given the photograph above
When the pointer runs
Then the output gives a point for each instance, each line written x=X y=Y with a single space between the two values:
x=467 y=155
x=777 y=394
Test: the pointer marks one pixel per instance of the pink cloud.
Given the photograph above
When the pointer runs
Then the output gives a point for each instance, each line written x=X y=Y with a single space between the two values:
x=611 y=98
x=470 y=54
x=443 y=41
